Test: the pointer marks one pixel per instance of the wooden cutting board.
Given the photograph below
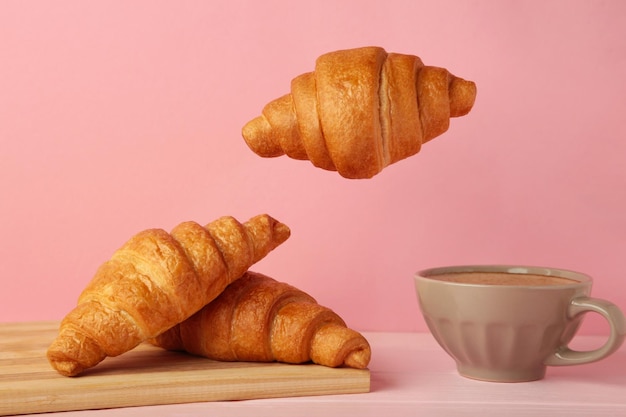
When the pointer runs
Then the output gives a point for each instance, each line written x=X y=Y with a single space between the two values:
x=148 y=376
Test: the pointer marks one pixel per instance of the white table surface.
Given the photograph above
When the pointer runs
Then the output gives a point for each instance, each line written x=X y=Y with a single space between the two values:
x=412 y=376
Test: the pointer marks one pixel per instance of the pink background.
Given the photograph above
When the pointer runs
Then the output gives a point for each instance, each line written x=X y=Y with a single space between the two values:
x=119 y=116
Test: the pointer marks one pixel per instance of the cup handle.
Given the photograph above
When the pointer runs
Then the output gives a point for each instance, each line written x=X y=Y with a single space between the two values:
x=617 y=323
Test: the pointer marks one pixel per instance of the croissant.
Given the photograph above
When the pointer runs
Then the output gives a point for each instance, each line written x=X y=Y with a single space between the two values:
x=360 y=110
x=259 y=319
x=156 y=280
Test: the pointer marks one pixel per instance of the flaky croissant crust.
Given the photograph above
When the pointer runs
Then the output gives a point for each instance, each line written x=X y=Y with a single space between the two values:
x=259 y=319
x=359 y=111
x=156 y=280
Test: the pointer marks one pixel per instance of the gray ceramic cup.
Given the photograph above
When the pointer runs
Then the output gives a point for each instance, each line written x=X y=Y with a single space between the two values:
x=505 y=323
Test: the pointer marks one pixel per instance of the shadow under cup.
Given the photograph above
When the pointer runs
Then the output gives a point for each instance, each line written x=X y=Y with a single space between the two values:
x=506 y=323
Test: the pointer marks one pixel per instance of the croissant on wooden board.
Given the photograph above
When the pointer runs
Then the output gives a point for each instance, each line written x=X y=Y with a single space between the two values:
x=359 y=111
x=259 y=319
x=156 y=280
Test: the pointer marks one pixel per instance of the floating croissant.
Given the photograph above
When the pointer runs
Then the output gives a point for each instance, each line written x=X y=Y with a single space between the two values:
x=260 y=319
x=360 y=111
x=156 y=280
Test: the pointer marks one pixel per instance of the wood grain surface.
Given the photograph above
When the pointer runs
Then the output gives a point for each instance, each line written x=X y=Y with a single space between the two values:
x=148 y=376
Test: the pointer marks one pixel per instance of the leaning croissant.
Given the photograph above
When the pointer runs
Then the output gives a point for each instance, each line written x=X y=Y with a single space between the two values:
x=360 y=111
x=156 y=280
x=259 y=319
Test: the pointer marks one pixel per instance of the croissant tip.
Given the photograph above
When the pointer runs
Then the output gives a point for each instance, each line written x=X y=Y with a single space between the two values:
x=281 y=231
x=64 y=365
x=462 y=96
x=259 y=137
x=358 y=359
x=73 y=352
x=68 y=368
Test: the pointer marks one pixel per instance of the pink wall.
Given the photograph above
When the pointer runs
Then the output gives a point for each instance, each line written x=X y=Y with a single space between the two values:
x=119 y=116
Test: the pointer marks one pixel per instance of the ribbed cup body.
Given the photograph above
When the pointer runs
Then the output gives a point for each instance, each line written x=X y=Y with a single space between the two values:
x=500 y=332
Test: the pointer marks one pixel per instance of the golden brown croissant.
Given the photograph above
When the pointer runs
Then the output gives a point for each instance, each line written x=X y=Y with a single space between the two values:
x=259 y=319
x=156 y=280
x=360 y=110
